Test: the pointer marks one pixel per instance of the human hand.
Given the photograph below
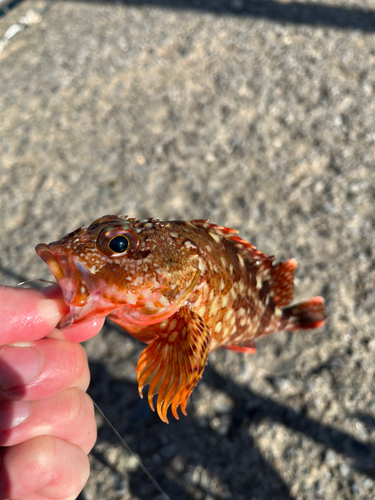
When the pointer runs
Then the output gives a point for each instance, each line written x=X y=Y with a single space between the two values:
x=47 y=424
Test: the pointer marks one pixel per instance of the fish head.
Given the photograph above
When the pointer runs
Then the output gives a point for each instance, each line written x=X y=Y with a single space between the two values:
x=117 y=262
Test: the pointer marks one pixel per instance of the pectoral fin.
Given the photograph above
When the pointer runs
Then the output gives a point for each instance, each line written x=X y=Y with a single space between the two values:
x=174 y=362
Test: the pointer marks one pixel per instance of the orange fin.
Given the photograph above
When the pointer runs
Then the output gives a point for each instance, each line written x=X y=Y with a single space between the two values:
x=144 y=334
x=248 y=250
x=276 y=281
x=303 y=316
x=174 y=362
x=221 y=230
x=247 y=346
x=282 y=282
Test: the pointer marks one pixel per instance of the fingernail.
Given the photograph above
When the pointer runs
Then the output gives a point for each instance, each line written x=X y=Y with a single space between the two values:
x=13 y=415
x=18 y=366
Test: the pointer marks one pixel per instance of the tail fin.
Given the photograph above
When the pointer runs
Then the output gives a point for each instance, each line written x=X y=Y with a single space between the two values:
x=304 y=315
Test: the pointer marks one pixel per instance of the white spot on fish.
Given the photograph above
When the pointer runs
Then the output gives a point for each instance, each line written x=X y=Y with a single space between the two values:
x=172 y=325
x=215 y=236
x=164 y=301
x=202 y=265
x=150 y=305
x=215 y=305
x=131 y=298
x=218 y=327
x=202 y=311
x=138 y=281
x=172 y=337
x=228 y=315
x=224 y=301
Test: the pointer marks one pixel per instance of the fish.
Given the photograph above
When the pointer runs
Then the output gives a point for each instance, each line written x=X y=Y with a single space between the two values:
x=184 y=288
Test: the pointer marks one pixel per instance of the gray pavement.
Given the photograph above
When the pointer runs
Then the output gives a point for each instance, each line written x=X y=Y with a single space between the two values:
x=258 y=115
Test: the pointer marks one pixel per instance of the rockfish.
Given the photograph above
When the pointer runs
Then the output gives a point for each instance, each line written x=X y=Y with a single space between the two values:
x=183 y=288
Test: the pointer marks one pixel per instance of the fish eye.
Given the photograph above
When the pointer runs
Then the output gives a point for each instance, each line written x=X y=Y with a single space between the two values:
x=116 y=241
x=119 y=244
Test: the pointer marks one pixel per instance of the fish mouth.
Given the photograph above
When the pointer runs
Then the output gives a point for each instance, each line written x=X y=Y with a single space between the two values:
x=66 y=272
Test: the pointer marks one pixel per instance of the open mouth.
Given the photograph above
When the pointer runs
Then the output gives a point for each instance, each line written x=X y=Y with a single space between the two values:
x=64 y=268
x=55 y=264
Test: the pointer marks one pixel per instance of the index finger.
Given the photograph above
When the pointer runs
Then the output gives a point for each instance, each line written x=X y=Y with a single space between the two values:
x=27 y=314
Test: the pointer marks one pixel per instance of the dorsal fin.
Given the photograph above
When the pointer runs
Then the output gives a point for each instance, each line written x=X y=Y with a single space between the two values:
x=277 y=280
x=220 y=230
x=248 y=250
x=283 y=282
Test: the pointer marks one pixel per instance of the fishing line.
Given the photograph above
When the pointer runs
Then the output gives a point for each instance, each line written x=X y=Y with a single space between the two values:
x=39 y=279
x=128 y=449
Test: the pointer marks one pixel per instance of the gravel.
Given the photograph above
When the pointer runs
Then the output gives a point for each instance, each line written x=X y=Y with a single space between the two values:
x=259 y=116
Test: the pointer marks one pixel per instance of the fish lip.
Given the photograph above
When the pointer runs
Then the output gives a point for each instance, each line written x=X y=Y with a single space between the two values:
x=53 y=260
x=62 y=265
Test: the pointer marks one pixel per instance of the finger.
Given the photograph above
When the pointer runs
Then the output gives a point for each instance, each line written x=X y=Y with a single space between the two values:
x=29 y=314
x=78 y=333
x=42 y=368
x=45 y=465
x=75 y=333
x=68 y=415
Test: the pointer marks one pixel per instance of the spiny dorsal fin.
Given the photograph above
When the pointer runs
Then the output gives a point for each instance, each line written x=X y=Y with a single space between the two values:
x=220 y=230
x=248 y=250
x=244 y=247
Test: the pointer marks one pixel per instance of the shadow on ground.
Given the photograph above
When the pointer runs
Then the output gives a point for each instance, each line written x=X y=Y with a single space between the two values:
x=314 y=14
x=172 y=452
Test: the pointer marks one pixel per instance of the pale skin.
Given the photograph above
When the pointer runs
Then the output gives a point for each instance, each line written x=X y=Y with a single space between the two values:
x=47 y=424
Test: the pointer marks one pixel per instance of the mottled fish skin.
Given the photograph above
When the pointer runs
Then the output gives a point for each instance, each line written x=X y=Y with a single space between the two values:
x=183 y=288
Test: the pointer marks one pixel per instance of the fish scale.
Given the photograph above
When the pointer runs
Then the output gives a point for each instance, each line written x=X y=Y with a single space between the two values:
x=184 y=288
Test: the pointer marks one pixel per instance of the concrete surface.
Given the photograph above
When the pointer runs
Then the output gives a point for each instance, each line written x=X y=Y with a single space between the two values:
x=258 y=115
